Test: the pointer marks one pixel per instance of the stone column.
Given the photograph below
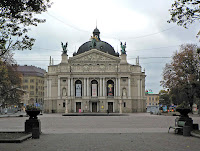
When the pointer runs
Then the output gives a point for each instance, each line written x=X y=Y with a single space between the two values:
x=66 y=107
x=103 y=86
x=119 y=87
x=129 y=87
x=72 y=87
x=68 y=87
x=58 y=87
x=84 y=87
x=138 y=88
x=47 y=88
x=88 y=87
x=100 y=87
x=120 y=106
x=116 y=88
x=141 y=94
x=49 y=101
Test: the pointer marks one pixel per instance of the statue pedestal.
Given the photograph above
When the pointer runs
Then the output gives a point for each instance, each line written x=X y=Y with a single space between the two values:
x=123 y=58
x=30 y=124
x=64 y=58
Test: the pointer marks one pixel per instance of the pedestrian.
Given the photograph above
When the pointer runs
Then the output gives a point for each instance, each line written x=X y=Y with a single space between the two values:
x=5 y=110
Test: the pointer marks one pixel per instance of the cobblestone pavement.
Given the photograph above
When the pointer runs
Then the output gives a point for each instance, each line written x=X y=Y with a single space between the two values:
x=82 y=133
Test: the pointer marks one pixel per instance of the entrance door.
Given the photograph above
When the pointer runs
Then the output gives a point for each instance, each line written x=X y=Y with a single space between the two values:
x=94 y=106
x=78 y=106
x=110 y=107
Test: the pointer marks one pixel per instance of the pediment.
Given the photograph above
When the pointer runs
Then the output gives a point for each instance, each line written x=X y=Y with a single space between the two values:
x=94 y=56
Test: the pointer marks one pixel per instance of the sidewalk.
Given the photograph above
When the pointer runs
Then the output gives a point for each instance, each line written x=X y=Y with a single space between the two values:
x=18 y=114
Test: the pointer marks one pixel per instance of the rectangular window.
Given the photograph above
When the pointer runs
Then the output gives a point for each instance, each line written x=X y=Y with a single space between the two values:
x=32 y=87
x=124 y=104
x=32 y=80
x=25 y=87
x=26 y=80
x=149 y=98
x=153 y=98
x=32 y=93
x=149 y=103
x=63 y=104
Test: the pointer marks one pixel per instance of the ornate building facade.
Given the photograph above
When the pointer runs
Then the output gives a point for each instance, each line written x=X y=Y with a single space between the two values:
x=95 y=79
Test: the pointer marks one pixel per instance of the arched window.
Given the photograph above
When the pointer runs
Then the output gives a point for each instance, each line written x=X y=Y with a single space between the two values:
x=78 y=88
x=110 y=88
x=94 y=88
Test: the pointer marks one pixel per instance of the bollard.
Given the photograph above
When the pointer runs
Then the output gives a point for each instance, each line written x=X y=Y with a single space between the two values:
x=186 y=130
x=35 y=133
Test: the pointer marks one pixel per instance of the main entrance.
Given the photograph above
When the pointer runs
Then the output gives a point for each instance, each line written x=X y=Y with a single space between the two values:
x=94 y=106
x=110 y=107
x=78 y=106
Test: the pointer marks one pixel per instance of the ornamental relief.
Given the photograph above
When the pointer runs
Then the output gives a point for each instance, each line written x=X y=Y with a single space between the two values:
x=93 y=57
x=52 y=69
x=64 y=68
x=94 y=68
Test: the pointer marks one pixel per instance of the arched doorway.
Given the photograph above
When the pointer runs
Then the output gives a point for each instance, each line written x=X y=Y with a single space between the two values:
x=94 y=94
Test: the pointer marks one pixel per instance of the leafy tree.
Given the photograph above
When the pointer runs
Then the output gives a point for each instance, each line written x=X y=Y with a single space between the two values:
x=181 y=76
x=164 y=98
x=15 y=18
x=185 y=12
x=10 y=83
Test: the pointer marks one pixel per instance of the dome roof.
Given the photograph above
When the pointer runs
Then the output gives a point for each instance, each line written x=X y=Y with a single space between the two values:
x=100 y=45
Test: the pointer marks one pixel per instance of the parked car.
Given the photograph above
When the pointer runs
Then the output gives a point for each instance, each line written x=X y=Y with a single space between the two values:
x=172 y=109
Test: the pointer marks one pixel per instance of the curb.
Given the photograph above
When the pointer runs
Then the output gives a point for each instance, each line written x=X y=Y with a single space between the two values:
x=195 y=135
x=93 y=114
x=18 y=140
x=13 y=116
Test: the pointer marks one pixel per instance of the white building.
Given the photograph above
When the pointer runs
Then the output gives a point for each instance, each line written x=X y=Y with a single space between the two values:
x=95 y=79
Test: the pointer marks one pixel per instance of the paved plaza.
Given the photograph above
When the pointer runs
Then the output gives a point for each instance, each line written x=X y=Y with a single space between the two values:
x=141 y=131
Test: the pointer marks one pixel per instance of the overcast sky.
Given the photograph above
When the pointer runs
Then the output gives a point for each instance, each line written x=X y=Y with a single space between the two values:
x=141 y=24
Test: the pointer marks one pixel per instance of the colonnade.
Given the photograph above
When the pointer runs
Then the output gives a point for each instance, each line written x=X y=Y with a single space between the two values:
x=86 y=85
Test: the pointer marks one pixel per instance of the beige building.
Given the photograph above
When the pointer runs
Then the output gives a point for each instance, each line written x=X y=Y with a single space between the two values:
x=95 y=79
x=32 y=84
x=152 y=99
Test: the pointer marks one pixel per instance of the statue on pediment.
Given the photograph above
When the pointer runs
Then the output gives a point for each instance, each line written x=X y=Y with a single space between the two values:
x=123 y=50
x=64 y=47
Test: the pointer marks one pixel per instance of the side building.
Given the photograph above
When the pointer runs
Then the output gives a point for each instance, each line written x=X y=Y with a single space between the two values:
x=152 y=102
x=95 y=79
x=32 y=84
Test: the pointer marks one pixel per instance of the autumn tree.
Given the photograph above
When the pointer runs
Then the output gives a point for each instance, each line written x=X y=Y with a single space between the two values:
x=16 y=17
x=185 y=12
x=181 y=76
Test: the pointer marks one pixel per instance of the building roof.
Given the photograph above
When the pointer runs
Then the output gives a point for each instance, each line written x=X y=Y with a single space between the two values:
x=100 y=45
x=31 y=71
